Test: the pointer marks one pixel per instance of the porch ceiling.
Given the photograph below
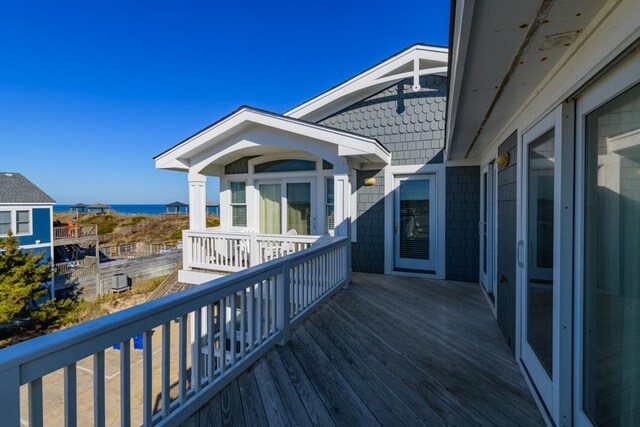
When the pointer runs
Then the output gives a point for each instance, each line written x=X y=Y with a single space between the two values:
x=250 y=131
x=502 y=52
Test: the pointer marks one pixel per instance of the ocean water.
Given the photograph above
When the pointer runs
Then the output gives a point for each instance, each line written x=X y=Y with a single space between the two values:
x=146 y=209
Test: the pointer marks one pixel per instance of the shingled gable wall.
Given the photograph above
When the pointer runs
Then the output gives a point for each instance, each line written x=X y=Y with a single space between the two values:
x=410 y=125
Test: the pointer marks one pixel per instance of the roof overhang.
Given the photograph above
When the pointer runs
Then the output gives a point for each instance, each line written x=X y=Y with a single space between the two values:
x=250 y=131
x=411 y=63
x=502 y=51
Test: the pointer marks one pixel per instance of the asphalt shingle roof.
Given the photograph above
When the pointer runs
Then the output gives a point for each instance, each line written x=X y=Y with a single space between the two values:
x=15 y=188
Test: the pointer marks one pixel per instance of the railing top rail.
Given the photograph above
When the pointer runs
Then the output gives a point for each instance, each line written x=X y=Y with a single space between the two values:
x=36 y=356
x=235 y=233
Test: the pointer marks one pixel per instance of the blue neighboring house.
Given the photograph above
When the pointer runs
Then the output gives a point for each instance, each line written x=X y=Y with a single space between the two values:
x=27 y=212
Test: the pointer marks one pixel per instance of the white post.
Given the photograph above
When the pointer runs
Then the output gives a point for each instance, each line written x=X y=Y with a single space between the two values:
x=283 y=303
x=254 y=251
x=186 y=251
x=197 y=202
x=342 y=195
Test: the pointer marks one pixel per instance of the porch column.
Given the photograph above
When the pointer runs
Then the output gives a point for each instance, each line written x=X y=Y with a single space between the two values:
x=197 y=201
x=342 y=208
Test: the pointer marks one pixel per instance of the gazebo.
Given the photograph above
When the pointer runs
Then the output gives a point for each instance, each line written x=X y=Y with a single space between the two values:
x=98 y=208
x=79 y=209
x=176 y=209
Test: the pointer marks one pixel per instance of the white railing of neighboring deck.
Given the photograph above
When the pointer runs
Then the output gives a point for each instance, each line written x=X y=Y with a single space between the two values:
x=239 y=318
x=229 y=251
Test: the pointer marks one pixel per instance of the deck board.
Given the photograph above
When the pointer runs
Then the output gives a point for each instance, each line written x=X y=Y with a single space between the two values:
x=388 y=350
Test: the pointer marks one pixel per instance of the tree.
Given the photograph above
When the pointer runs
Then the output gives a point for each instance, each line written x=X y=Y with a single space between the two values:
x=22 y=291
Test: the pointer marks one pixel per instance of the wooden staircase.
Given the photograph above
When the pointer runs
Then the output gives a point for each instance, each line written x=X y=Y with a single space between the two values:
x=169 y=285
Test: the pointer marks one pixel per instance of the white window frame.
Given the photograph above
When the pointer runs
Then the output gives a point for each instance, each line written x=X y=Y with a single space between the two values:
x=326 y=228
x=251 y=178
x=232 y=204
x=620 y=79
x=14 y=219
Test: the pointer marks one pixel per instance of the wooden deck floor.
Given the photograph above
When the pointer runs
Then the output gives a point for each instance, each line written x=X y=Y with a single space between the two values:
x=388 y=350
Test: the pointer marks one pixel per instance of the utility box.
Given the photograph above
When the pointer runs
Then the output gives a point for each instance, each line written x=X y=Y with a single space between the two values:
x=120 y=283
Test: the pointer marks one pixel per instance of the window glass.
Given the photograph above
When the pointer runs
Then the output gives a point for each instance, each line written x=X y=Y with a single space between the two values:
x=299 y=207
x=540 y=268
x=611 y=370
x=5 y=222
x=238 y=204
x=287 y=165
x=22 y=222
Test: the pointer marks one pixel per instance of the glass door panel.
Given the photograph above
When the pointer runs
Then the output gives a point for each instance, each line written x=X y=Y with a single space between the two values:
x=270 y=208
x=540 y=248
x=415 y=224
x=611 y=337
x=299 y=207
x=537 y=255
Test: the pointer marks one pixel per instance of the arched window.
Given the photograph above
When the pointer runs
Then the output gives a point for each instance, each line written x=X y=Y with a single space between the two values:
x=286 y=165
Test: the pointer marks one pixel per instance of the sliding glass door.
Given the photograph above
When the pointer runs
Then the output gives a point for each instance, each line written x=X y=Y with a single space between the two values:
x=610 y=307
x=287 y=206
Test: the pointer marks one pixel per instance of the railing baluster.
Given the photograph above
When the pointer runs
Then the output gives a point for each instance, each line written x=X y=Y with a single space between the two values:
x=125 y=383
x=223 y=339
x=147 y=396
x=70 y=396
x=243 y=321
x=35 y=403
x=196 y=351
x=267 y=310
x=166 y=369
x=182 y=359
x=233 y=333
x=251 y=317
x=98 y=389
x=259 y=300
x=210 y=346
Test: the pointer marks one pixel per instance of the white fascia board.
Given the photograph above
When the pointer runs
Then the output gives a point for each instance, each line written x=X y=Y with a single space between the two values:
x=371 y=76
x=462 y=30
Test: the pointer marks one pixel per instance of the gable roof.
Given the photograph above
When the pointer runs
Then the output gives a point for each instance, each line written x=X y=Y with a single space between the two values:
x=15 y=188
x=417 y=60
x=352 y=143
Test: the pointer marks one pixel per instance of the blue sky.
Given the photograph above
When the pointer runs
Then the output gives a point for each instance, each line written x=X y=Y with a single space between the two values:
x=90 y=91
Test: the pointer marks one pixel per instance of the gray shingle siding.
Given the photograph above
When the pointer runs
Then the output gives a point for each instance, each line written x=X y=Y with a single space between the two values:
x=367 y=254
x=462 y=217
x=409 y=124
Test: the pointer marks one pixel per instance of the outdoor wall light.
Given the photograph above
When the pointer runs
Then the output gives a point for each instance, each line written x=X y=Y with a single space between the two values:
x=502 y=160
x=369 y=182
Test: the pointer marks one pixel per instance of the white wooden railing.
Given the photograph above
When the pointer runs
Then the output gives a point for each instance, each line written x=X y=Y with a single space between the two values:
x=229 y=251
x=238 y=317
